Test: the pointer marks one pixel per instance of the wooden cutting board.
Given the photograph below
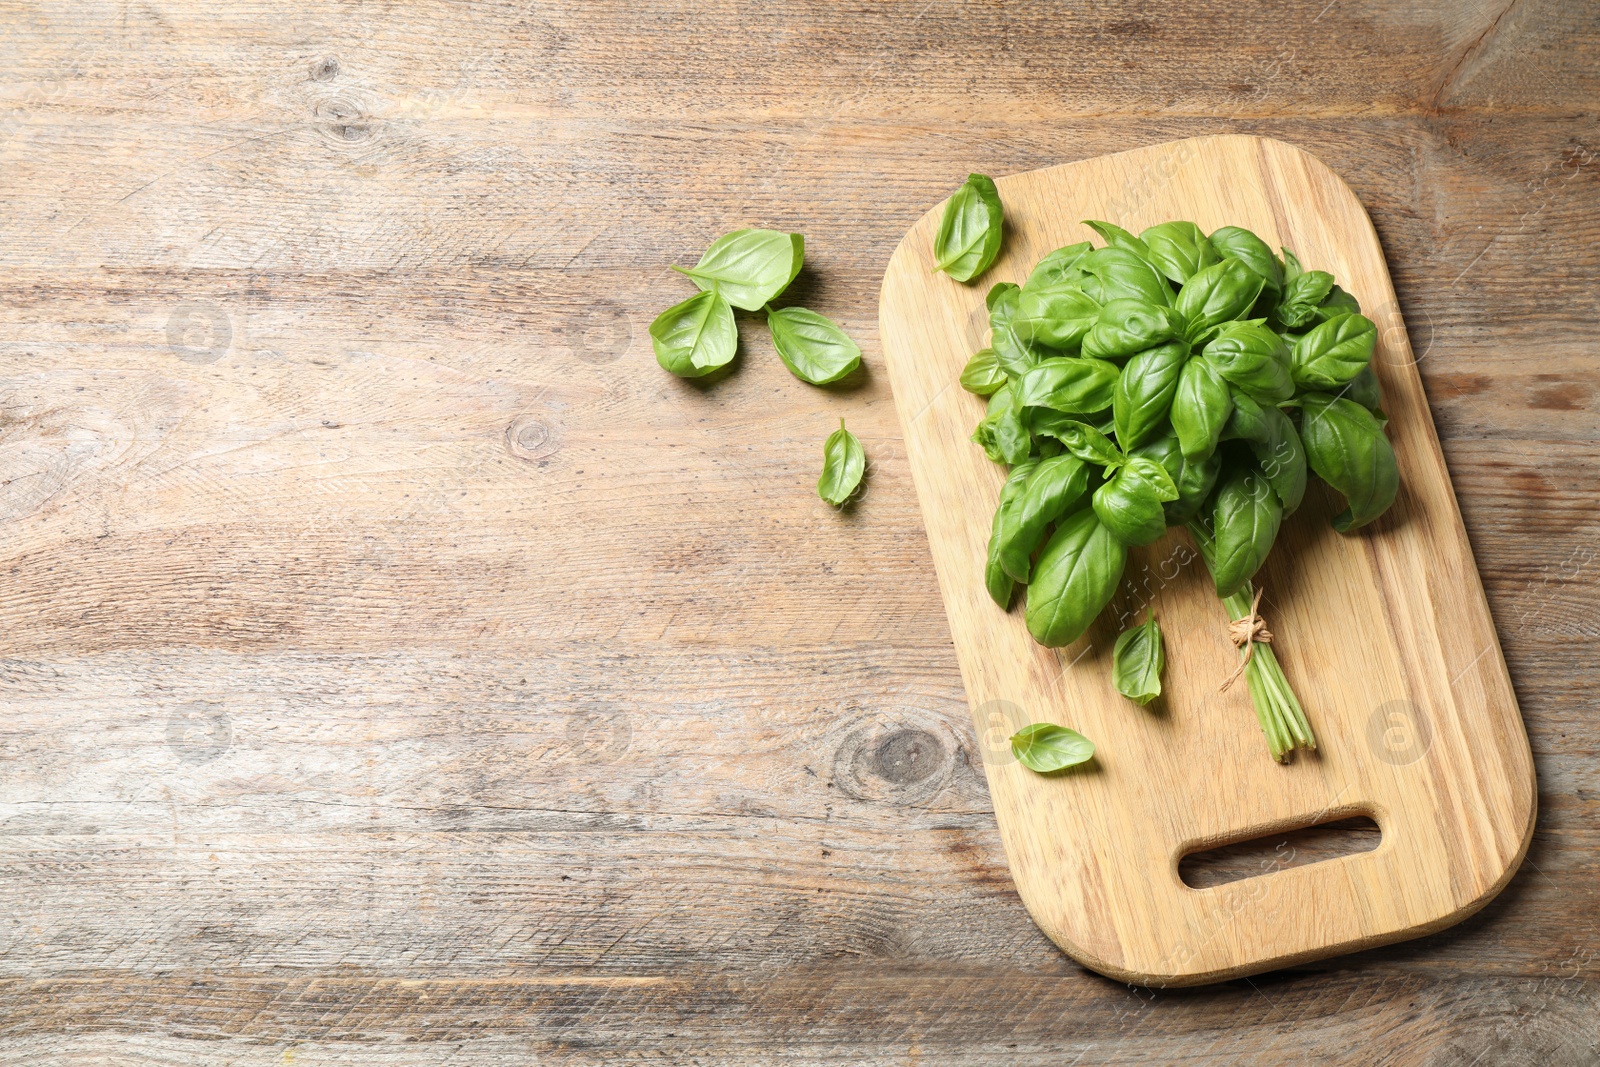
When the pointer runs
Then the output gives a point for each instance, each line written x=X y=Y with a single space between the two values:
x=1385 y=635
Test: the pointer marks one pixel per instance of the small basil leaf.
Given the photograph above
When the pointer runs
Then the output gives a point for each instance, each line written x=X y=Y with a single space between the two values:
x=995 y=579
x=1178 y=249
x=1365 y=390
x=1051 y=490
x=1069 y=384
x=1291 y=267
x=812 y=346
x=982 y=374
x=1253 y=358
x=750 y=267
x=1347 y=448
x=1301 y=297
x=1279 y=454
x=1239 y=243
x=1200 y=408
x=1130 y=504
x=969 y=232
x=1128 y=326
x=1059 y=266
x=1058 y=314
x=695 y=337
x=1334 y=352
x=1116 y=237
x=1144 y=392
x=1123 y=275
x=1245 y=520
x=1076 y=575
x=1002 y=433
x=997 y=293
x=1338 y=302
x=1219 y=293
x=1079 y=437
x=1137 y=662
x=843 y=464
x=1046 y=748
x=1014 y=355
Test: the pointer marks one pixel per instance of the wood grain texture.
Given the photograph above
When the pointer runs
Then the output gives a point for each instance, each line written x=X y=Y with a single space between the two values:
x=395 y=657
x=1388 y=629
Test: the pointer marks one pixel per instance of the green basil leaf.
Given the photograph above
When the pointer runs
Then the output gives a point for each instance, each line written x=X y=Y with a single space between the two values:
x=1276 y=444
x=982 y=374
x=1059 y=266
x=969 y=232
x=1123 y=275
x=1004 y=436
x=1200 y=408
x=1143 y=396
x=1239 y=243
x=1245 y=520
x=1137 y=662
x=1076 y=575
x=1334 y=352
x=998 y=292
x=1347 y=448
x=1219 y=293
x=1130 y=503
x=1253 y=358
x=1365 y=390
x=1338 y=302
x=1178 y=249
x=1193 y=480
x=1014 y=355
x=1051 y=490
x=1069 y=384
x=995 y=579
x=1291 y=267
x=1116 y=237
x=812 y=346
x=1128 y=326
x=750 y=267
x=1055 y=314
x=1046 y=748
x=695 y=337
x=843 y=464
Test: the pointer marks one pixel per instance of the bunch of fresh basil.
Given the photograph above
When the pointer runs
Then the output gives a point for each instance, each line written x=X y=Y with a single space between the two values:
x=748 y=269
x=1169 y=378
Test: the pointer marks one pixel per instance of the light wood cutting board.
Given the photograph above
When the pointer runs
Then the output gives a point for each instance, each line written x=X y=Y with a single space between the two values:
x=1385 y=635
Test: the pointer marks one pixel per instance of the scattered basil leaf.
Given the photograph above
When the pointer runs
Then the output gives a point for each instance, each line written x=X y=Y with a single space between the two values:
x=750 y=267
x=1200 y=408
x=843 y=464
x=1076 y=574
x=1145 y=388
x=1046 y=748
x=1130 y=503
x=812 y=346
x=1137 y=661
x=1178 y=250
x=695 y=337
x=1245 y=520
x=1346 y=446
x=1069 y=384
x=1334 y=352
x=969 y=232
x=982 y=374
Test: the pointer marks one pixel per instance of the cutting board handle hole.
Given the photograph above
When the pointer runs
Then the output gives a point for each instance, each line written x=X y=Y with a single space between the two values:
x=1347 y=835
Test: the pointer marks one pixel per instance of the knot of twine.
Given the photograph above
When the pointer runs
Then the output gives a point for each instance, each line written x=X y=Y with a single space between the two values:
x=1245 y=634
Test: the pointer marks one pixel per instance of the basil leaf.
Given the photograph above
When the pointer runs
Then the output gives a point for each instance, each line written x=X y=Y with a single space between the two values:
x=1116 y=237
x=1276 y=444
x=1365 y=390
x=1301 y=298
x=750 y=267
x=1291 y=267
x=1137 y=662
x=1002 y=433
x=1130 y=504
x=1143 y=396
x=1338 y=302
x=1128 y=326
x=1123 y=275
x=695 y=337
x=812 y=346
x=1076 y=575
x=1193 y=480
x=1334 y=352
x=969 y=233
x=1059 y=266
x=1086 y=442
x=1347 y=448
x=997 y=292
x=1245 y=520
x=995 y=579
x=843 y=464
x=1046 y=748
x=1054 y=486
x=1219 y=293
x=1253 y=358
x=1056 y=314
x=1178 y=249
x=1239 y=243
x=1200 y=408
x=1069 y=384
x=982 y=374
x=1014 y=355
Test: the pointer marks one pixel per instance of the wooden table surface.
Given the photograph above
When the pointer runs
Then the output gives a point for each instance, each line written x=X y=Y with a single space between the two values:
x=400 y=668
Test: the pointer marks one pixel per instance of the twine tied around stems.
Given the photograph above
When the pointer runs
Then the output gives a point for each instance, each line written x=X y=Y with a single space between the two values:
x=1245 y=634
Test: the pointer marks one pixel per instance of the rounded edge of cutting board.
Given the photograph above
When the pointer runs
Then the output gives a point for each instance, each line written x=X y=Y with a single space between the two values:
x=907 y=257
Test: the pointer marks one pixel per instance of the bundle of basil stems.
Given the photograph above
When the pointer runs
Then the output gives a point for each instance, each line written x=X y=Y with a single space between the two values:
x=1174 y=378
